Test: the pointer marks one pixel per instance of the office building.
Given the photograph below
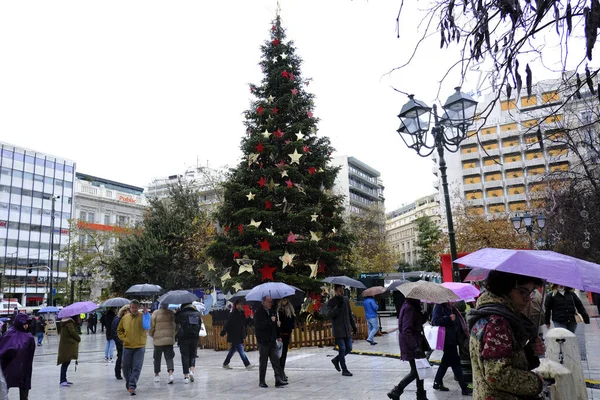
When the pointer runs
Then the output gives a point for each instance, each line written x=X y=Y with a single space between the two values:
x=32 y=186
x=360 y=184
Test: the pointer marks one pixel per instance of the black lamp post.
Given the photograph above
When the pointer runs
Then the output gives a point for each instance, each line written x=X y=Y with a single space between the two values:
x=447 y=133
x=530 y=224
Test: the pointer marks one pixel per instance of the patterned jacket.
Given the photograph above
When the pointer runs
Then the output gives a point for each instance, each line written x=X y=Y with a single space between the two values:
x=501 y=370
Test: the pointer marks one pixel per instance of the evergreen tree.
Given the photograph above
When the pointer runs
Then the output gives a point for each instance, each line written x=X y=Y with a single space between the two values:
x=427 y=240
x=279 y=219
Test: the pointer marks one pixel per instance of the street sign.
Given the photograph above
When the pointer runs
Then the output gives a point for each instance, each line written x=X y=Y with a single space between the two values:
x=53 y=291
x=371 y=275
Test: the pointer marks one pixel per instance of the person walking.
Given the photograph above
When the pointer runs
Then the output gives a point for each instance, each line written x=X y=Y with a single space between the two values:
x=561 y=305
x=235 y=329
x=371 y=308
x=162 y=332
x=68 y=347
x=107 y=319
x=287 y=318
x=118 y=343
x=267 y=336
x=132 y=332
x=17 y=348
x=40 y=329
x=103 y=320
x=504 y=344
x=412 y=346
x=342 y=326
x=450 y=318
x=189 y=322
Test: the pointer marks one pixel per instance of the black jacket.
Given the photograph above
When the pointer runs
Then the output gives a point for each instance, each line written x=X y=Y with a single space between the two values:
x=107 y=320
x=441 y=317
x=266 y=330
x=113 y=331
x=235 y=327
x=342 y=320
x=182 y=318
x=287 y=323
x=562 y=307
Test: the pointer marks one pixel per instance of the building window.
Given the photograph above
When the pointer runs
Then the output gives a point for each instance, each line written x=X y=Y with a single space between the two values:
x=82 y=216
x=106 y=219
x=91 y=217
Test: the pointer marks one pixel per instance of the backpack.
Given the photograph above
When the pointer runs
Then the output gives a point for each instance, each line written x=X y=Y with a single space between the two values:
x=190 y=328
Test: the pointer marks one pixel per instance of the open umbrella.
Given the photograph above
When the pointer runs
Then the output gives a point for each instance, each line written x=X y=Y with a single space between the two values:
x=239 y=295
x=477 y=274
x=81 y=307
x=144 y=289
x=465 y=291
x=373 y=291
x=178 y=297
x=49 y=309
x=115 y=302
x=429 y=292
x=275 y=290
x=395 y=284
x=344 y=280
x=549 y=265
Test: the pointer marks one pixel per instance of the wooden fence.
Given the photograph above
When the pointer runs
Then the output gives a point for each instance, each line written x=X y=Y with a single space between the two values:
x=317 y=333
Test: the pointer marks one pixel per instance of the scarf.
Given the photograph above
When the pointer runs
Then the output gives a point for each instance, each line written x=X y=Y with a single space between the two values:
x=523 y=329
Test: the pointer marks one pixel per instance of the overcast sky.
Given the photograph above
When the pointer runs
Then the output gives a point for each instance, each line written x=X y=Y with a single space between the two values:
x=132 y=90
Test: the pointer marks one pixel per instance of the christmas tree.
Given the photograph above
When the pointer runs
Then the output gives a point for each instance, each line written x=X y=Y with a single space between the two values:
x=279 y=219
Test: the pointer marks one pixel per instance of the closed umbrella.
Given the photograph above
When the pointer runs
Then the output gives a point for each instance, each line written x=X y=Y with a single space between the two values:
x=373 y=291
x=429 y=292
x=81 y=307
x=344 y=280
x=178 y=297
x=275 y=290
x=115 y=302
x=144 y=289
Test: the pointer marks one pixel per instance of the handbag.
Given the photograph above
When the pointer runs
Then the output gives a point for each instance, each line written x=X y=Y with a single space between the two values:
x=202 y=332
x=279 y=348
x=435 y=336
x=424 y=369
x=578 y=317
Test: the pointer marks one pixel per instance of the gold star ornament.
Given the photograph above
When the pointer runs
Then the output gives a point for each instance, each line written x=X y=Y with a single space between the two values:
x=287 y=259
x=250 y=196
x=313 y=217
x=237 y=287
x=313 y=269
x=295 y=156
x=315 y=236
x=254 y=223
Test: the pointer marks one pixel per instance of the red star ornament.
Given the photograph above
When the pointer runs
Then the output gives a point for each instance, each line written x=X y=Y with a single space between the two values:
x=291 y=238
x=260 y=109
x=312 y=170
x=266 y=272
x=291 y=76
x=241 y=228
x=236 y=255
x=276 y=42
x=226 y=228
x=285 y=74
x=259 y=147
x=295 y=92
x=310 y=114
x=275 y=110
x=305 y=148
x=321 y=266
x=264 y=245
x=278 y=133
x=268 y=205
x=262 y=181
x=273 y=28
x=289 y=183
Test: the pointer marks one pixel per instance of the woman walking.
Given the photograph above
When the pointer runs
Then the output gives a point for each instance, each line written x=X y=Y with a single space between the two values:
x=561 y=304
x=68 y=347
x=504 y=344
x=107 y=319
x=118 y=343
x=287 y=318
x=235 y=329
x=17 y=348
x=412 y=346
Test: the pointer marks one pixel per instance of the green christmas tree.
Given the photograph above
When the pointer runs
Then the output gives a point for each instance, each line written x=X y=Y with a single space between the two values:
x=279 y=218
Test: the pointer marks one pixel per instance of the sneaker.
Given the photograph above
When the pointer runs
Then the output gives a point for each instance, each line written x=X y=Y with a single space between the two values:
x=467 y=392
x=131 y=391
x=69 y=383
x=346 y=373
x=186 y=380
x=226 y=366
x=249 y=366
x=106 y=360
x=191 y=376
x=171 y=379
x=156 y=378
x=111 y=360
x=64 y=384
x=336 y=364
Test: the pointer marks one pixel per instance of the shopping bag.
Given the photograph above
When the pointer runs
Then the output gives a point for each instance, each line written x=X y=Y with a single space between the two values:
x=435 y=336
x=279 y=348
x=424 y=369
x=202 y=332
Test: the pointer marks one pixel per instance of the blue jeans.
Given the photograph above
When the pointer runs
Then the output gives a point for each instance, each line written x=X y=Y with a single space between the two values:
x=236 y=348
x=344 y=347
x=373 y=324
x=133 y=360
x=108 y=348
x=40 y=337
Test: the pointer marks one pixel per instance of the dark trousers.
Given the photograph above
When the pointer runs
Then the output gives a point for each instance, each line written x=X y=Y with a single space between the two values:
x=119 y=360
x=412 y=375
x=344 y=347
x=133 y=360
x=169 y=355
x=23 y=394
x=450 y=359
x=63 y=371
x=188 y=348
x=268 y=351
x=284 y=350
x=237 y=348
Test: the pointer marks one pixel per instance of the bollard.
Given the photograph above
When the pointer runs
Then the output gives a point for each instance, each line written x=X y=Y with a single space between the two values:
x=562 y=385
x=563 y=348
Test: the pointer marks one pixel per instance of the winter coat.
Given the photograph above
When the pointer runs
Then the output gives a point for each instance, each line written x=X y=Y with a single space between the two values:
x=68 y=344
x=107 y=320
x=398 y=301
x=562 y=307
x=371 y=308
x=535 y=309
x=287 y=323
x=501 y=356
x=162 y=327
x=132 y=330
x=410 y=330
x=342 y=320
x=235 y=327
x=181 y=319
x=113 y=331
x=266 y=330
x=441 y=317
x=17 y=348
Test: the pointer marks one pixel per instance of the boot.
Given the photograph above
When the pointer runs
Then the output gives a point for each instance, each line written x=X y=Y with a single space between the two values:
x=421 y=394
x=395 y=393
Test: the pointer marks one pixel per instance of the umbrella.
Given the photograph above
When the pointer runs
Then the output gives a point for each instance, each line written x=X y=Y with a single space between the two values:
x=395 y=284
x=144 y=289
x=373 y=291
x=428 y=291
x=544 y=264
x=477 y=274
x=275 y=290
x=48 y=309
x=115 y=302
x=465 y=291
x=239 y=295
x=344 y=280
x=178 y=297
x=81 y=307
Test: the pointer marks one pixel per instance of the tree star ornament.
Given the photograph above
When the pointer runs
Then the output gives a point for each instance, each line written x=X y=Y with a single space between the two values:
x=211 y=266
x=266 y=272
x=295 y=156
x=262 y=181
x=256 y=224
x=295 y=92
x=276 y=42
x=250 y=196
x=334 y=230
x=286 y=206
x=291 y=238
x=284 y=173
x=265 y=245
x=225 y=277
x=313 y=217
x=314 y=236
x=266 y=134
x=272 y=185
x=313 y=269
x=259 y=147
x=283 y=56
x=287 y=259
x=252 y=157
x=270 y=98
x=289 y=183
x=246 y=268
x=299 y=136
x=237 y=287
x=268 y=205
x=270 y=231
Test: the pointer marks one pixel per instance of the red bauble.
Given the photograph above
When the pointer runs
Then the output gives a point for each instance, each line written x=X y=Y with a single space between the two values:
x=266 y=272
x=268 y=205
x=260 y=110
x=265 y=245
x=312 y=170
x=259 y=147
x=236 y=255
x=305 y=148
x=309 y=114
x=262 y=181
x=291 y=76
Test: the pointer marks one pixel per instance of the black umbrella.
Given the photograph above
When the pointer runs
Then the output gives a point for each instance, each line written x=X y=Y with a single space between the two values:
x=145 y=289
x=115 y=302
x=344 y=280
x=178 y=297
x=395 y=284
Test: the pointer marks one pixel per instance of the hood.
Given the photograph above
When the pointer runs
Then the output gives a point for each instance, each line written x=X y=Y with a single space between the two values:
x=20 y=320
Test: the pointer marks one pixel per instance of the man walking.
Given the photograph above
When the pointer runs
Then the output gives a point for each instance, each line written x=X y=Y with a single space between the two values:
x=338 y=309
x=371 y=308
x=107 y=319
x=189 y=323
x=162 y=331
x=132 y=332
x=267 y=336
x=235 y=329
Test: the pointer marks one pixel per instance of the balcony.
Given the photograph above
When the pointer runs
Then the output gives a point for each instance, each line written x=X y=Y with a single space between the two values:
x=492 y=184
x=516 y=197
x=476 y=202
x=492 y=168
x=511 y=149
x=491 y=153
x=470 y=140
x=488 y=137
x=495 y=200
x=513 y=165
x=515 y=181
x=535 y=161
x=469 y=156
x=471 y=171
x=472 y=186
x=508 y=134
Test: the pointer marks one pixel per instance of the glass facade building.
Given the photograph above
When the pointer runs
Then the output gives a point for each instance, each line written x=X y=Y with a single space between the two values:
x=30 y=182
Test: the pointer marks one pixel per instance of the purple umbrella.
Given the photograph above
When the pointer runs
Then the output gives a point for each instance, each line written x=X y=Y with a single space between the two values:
x=553 y=267
x=477 y=274
x=81 y=307
x=465 y=291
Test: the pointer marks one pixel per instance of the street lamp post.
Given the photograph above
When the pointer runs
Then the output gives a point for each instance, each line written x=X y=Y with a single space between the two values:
x=447 y=133
x=50 y=294
x=528 y=223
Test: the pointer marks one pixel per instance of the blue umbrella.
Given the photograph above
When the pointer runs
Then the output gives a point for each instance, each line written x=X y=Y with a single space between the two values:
x=48 y=309
x=275 y=290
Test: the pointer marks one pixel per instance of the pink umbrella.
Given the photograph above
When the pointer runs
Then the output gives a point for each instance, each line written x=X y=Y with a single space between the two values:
x=477 y=274
x=464 y=291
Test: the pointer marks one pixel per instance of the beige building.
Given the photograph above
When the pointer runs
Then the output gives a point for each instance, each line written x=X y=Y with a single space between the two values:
x=401 y=227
